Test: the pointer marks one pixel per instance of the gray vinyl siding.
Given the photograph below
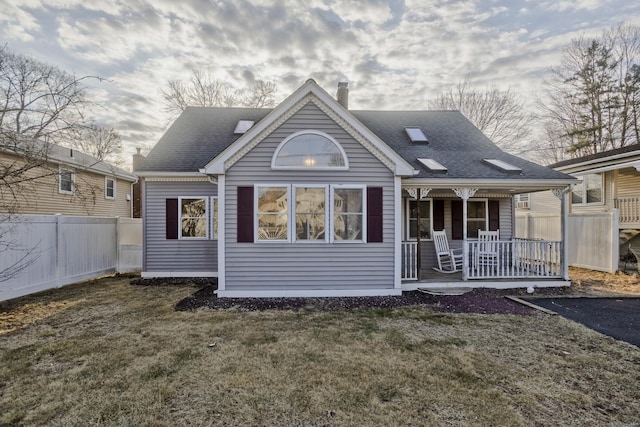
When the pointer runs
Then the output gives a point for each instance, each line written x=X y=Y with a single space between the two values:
x=309 y=266
x=162 y=254
x=428 y=252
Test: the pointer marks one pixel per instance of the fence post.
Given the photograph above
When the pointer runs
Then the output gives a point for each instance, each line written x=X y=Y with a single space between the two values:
x=58 y=249
x=117 y=244
x=615 y=240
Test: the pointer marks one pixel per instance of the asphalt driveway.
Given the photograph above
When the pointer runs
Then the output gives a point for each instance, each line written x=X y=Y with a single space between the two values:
x=616 y=317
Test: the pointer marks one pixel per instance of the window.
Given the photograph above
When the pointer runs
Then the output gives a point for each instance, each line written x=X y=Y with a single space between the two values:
x=589 y=190
x=273 y=213
x=314 y=209
x=425 y=219
x=416 y=134
x=309 y=150
x=109 y=188
x=522 y=201
x=193 y=223
x=476 y=217
x=66 y=181
x=348 y=207
x=310 y=214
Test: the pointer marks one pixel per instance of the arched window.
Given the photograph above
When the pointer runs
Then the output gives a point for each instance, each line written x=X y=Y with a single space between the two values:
x=309 y=149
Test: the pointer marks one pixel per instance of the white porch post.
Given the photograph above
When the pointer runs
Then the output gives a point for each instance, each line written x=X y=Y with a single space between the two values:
x=418 y=195
x=563 y=195
x=464 y=194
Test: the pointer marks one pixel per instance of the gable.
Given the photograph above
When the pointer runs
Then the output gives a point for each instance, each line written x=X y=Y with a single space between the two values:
x=309 y=93
x=310 y=117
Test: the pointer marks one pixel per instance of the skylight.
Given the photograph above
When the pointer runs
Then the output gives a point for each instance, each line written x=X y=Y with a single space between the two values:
x=503 y=166
x=243 y=126
x=432 y=165
x=416 y=134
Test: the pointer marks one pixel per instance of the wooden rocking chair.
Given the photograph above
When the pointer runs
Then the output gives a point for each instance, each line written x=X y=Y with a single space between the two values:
x=449 y=260
x=487 y=254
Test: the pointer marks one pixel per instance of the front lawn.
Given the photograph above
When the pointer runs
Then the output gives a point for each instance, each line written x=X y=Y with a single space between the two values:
x=110 y=353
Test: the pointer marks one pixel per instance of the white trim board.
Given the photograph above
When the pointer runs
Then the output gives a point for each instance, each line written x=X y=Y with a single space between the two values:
x=309 y=293
x=154 y=274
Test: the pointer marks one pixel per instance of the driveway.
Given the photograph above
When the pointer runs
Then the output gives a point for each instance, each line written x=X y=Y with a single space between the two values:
x=616 y=317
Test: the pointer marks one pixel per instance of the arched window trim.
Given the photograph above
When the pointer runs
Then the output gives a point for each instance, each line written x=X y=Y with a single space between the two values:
x=309 y=168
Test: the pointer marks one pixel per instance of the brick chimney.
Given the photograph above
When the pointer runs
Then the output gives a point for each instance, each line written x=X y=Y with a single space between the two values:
x=343 y=94
x=137 y=187
x=137 y=159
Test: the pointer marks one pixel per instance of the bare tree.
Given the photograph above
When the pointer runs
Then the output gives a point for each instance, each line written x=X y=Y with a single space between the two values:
x=39 y=105
x=261 y=95
x=592 y=97
x=202 y=90
x=100 y=142
x=499 y=114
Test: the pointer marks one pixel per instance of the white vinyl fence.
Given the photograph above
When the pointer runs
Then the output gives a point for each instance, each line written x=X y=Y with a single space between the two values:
x=39 y=252
x=593 y=237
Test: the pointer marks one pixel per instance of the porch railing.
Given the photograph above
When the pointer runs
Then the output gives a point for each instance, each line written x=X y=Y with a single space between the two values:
x=409 y=260
x=629 y=208
x=513 y=259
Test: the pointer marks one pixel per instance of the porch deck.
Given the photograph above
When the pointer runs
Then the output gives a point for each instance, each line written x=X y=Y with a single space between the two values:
x=434 y=279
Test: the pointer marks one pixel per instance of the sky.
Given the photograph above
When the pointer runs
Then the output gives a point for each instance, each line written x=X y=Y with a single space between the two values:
x=395 y=54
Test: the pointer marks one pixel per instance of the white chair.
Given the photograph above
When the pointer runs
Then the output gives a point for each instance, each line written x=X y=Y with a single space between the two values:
x=487 y=254
x=449 y=260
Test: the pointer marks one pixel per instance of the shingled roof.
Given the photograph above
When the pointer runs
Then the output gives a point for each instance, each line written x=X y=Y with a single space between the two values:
x=593 y=158
x=201 y=133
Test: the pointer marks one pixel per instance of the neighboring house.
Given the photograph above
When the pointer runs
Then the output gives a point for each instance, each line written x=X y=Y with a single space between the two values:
x=313 y=199
x=608 y=180
x=67 y=182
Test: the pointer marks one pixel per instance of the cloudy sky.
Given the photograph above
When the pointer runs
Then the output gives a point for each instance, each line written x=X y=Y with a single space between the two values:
x=395 y=54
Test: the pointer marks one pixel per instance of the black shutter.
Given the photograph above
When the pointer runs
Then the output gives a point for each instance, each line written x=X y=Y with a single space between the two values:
x=438 y=215
x=374 y=214
x=494 y=215
x=171 y=215
x=456 y=220
x=245 y=214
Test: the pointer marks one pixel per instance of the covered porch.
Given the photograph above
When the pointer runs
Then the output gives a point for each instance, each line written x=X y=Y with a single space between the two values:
x=464 y=213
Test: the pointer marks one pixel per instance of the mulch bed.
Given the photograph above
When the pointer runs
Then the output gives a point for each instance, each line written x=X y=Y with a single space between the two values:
x=483 y=301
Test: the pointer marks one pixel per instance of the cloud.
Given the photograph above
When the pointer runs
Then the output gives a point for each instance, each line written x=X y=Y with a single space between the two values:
x=396 y=54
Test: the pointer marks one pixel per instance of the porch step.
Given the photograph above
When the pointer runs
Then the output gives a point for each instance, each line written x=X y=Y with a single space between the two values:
x=440 y=290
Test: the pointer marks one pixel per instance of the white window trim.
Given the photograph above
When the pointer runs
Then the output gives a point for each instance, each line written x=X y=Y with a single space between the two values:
x=329 y=213
x=364 y=212
x=212 y=220
x=73 y=181
x=106 y=196
x=256 y=191
x=584 y=191
x=307 y=168
x=407 y=227
x=206 y=215
x=292 y=225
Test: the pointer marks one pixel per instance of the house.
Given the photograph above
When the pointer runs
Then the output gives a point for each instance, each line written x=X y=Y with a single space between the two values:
x=65 y=181
x=313 y=199
x=608 y=181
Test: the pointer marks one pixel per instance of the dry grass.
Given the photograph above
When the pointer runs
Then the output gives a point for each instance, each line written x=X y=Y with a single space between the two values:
x=108 y=353
x=597 y=283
